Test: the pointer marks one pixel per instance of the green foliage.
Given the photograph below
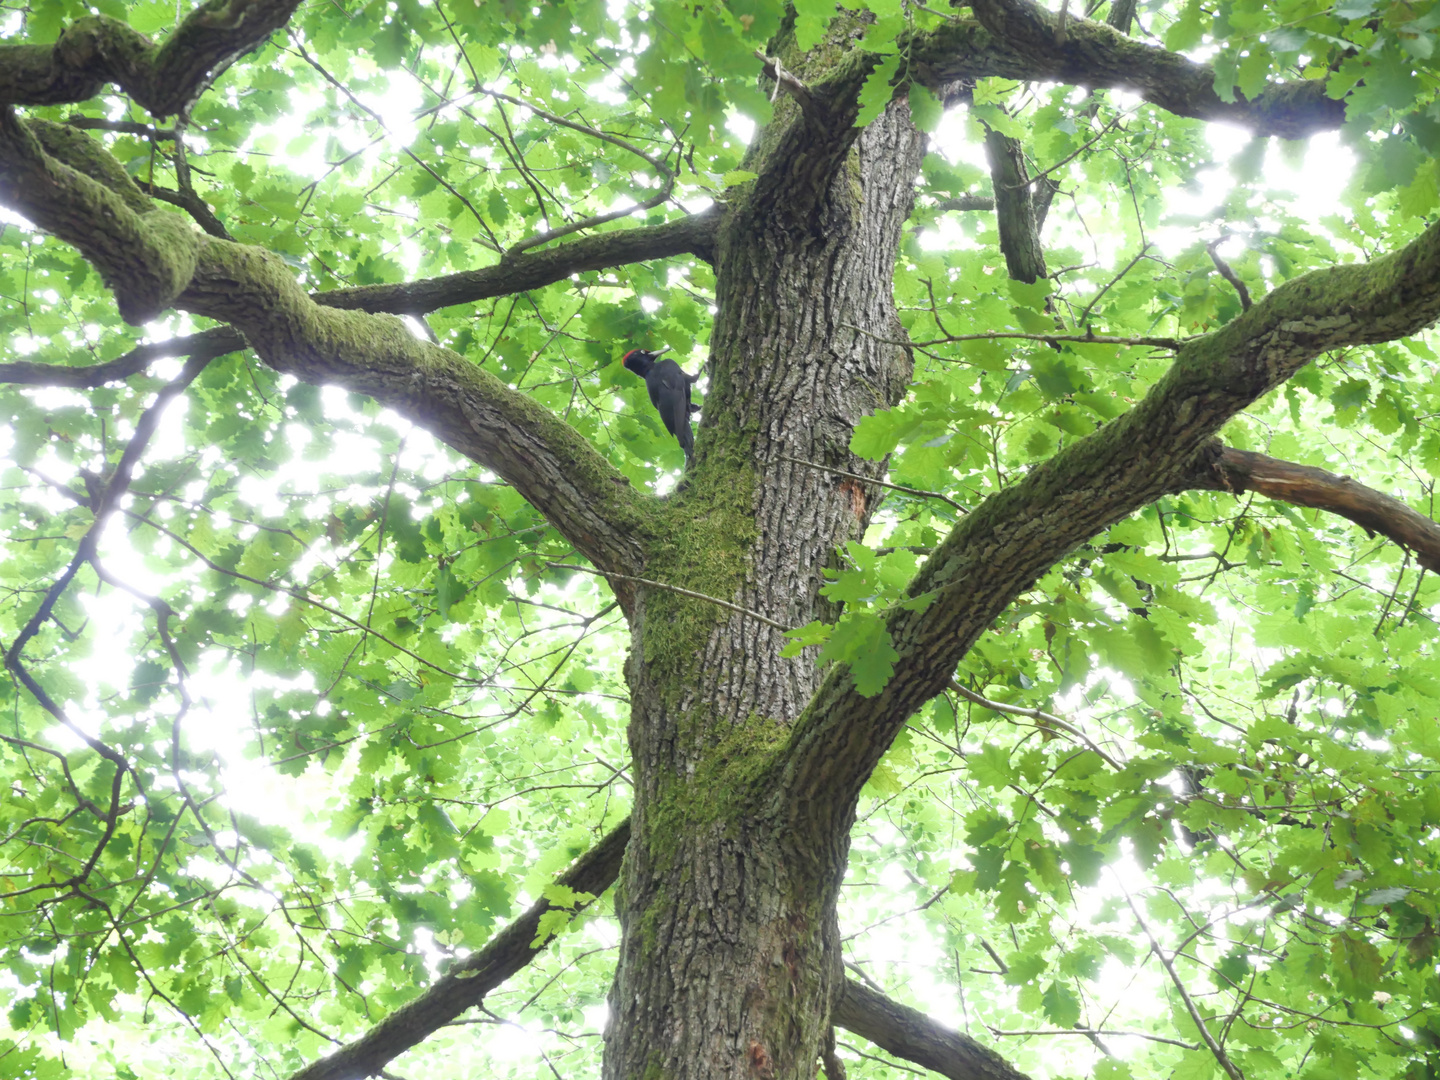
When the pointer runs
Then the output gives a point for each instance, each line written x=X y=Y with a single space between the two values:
x=367 y=721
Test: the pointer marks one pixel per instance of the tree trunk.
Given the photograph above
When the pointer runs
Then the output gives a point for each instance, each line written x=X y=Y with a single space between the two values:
x=730 y=959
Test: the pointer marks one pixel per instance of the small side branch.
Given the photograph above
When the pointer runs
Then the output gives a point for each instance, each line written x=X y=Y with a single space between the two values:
x=677 y=590
x=1047 y=719
x=1227 y=273
x=790 y=83
x=1231 y=1069
x=207 y=345
x=1223 y=468
x=910 y=1034
x=996 y=335
x=468 y=981
x=878 y=483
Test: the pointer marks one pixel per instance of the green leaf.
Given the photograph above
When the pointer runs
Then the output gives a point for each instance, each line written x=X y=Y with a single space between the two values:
x=1062 y=1007
x=861 y=640
x=925 y=108
x=877 y=91
x=1185 y=32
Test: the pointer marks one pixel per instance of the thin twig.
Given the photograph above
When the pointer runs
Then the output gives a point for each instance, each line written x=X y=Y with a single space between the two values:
x=992 y=335
x=610 y=575
x=1112 y=283
x=790 y=83
x=604 y=136
x=1227 y=273
x=879 y=483
x=1034 y=714
x=1066 y=160
x=1231 y=1070
x=1096 y=1031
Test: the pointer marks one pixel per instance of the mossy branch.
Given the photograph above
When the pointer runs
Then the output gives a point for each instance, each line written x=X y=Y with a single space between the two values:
x=1014 y=536
x=64 y=182
x=1014 y=39
x=155 y=259
x=1018 y=39
x=163 y=78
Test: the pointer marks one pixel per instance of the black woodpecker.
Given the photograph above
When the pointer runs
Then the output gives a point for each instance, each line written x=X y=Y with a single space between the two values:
x=669 y=389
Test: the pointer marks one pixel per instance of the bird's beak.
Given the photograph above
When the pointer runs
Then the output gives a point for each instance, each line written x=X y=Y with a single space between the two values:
x=662 y=349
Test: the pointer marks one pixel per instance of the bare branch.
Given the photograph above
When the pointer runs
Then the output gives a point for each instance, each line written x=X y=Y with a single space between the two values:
x=1014 y=208
x=910 y=1034
x=788 y=82
x=690 y=593
x=1237 y=471
x=1218 y=1051
x=468 y=981
x=207 y=344
x=192 y=204
x=693 y=235
x=1227 y=273
x=880 y=483
x=1046 y=719
x=964 y=203
x=1095 y=1033
x=123 y=127
x=1017 y=40
x=997 y=335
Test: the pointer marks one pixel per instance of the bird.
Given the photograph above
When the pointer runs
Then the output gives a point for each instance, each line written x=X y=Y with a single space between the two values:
x=669 y=389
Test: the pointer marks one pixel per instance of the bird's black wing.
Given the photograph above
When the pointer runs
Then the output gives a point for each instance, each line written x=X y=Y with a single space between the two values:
x=669 y=388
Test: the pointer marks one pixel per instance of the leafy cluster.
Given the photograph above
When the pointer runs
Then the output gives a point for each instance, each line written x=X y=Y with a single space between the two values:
x=326 y=713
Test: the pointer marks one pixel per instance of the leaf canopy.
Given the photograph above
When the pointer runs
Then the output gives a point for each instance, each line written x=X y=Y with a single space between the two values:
x=365 y=720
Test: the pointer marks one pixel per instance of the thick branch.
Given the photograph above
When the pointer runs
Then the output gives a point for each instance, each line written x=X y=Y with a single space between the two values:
x=153 y=259
x=1015 y=208
x=206 y=345
x=694 y=235
x=910 y=1034
x=1238 y=471
x=1014 y=39
x=1002 y=548
x=164 y=79
x=896 y=1028
x=67 y=184
x=468 y=981
x=193 y=205
x=1018 y=41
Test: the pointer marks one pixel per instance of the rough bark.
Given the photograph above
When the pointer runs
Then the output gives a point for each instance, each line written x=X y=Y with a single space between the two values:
x=1019 y=40
x=747 y=765
x=898 y=1029
x=1015 y=211
x=730 y=955
x=693 y=235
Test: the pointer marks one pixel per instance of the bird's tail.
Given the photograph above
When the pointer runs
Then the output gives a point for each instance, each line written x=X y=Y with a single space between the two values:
x=687 y=441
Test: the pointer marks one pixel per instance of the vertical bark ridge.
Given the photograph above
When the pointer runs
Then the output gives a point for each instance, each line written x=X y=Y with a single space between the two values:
x=730 y=962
